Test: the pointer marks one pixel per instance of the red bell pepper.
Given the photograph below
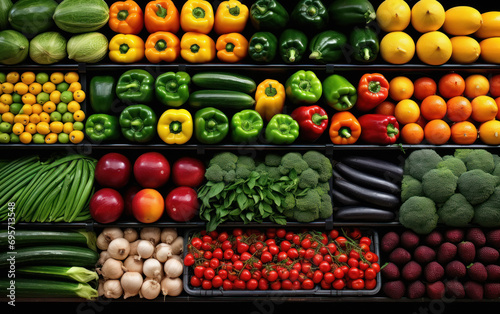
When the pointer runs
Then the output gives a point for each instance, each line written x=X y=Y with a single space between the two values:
x=313 y=121
x=379 y=128
x=373 y=89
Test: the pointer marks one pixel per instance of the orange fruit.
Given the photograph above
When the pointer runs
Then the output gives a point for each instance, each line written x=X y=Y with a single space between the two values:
x=489 y=132
x=412 y=133
x=495 y=85
x=497 y=100
x=433 y=107
x=424 y=86
x=464 y=132
x=407 y=111
x=476 y=85
x=484 y=108
x=386 y=108
x=459 y=108
x=451 y=85
x=437 y=132
x=400 y=88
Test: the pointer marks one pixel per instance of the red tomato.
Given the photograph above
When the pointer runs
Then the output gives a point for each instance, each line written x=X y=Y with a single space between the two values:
x=285 y=245
x=294 y=274
x=370 y=273
x=339 y=273
x=189 y=259
x=276 y=285
x=242 y=247
x=222 y=273
x=342 y=258
x=341 y=241
x=245 y=275
x=282 y=256
x=257 y=274
x=333 y=234
x=328 y=277
x=196 y=242
x=292 y=253
x=317 y=276
x=228 y=254
x=245 y=256
x=296 y=285
x=370 y=284
x=227 y=285
x=358 y=284
x=352 y=262
x=226 y=245
x=338 y=284
x=266 y=257
x=305 y=243
x=198 y=271
x=353 y=273
x=324 y=266
x=239 y=284
x=280 y=233
x=148 y=205
x=286 y=284
x=209 y=273
x=272 y=275
x=252 y=284
x=214 y=263
x=217 y=281
x=274 y=249
x=223 y=236
x=307 y=284
x=263 y=284
x=218 y=254
x=238 y=265
x=195 y=281
x=317 y=259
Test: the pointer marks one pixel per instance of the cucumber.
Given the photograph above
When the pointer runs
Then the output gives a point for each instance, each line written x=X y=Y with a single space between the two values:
x=57 y=255
x=365 y=179
x=363 y=213
x=367 y=195
x=39 y=237
x=5 y=6
x=220 y=99
x=32 y=17
x=224 y=81
x=41 y=288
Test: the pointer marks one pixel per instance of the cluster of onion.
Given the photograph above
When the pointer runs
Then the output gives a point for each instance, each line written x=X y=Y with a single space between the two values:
x=144 y=262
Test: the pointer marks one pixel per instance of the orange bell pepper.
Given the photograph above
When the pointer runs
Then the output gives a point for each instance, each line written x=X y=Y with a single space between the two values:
x=161 y=16
x=197 y=16
x=126 y=17
x=232 y=47
x=344 y=129
x=269 y=98
x=197 y=47
x=162 y=46
x=231 y=17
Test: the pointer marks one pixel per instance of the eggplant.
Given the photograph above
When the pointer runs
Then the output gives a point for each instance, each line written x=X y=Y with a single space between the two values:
x=363 y=213
x=343 y=199
x=367 y=195
x=366 y=179
x=382 y=168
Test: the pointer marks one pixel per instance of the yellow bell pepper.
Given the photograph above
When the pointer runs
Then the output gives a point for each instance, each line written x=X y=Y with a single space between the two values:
x=175 y=126
x=126 y=48
x=269 y=98
x=231 y=17
x=197 y=16
x=197 y=48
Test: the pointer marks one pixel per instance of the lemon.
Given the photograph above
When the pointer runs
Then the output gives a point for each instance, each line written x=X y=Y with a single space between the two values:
x=434 y=48
x=397 y=48
x=427 y=16
x=462 y=21
x=393 y=15
x=465 y=49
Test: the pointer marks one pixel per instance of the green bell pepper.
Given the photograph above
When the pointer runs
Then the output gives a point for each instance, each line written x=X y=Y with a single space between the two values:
x=292 y=45
x=246 y=126
x=268 y=15
x=365 y=44
x=303 y=88
x=102 y=93
x=310 y=14
x=262 y=46
x=101 y=127
x=135 y=86
x=172 y=89
x=138 y=123
x=327 y=46
x=282 y=129
x=351 y=12
x=340 y=94
x=210 y=125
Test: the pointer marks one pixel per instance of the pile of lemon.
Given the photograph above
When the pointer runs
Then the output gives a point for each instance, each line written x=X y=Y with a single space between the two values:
x=41 y=108
x=460 y=34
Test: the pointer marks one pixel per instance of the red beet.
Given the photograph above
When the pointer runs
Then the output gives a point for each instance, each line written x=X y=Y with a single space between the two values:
x=466 y=251
x=476 y=236
x=394 y=289
x=435 y=290
x=411 y=271
x=424 y=254
x=433 y=272
x=416 y=290
x=474 y=290
x=455 y=289
x=409 y=240
x=446 y=252
x=400 y=256
x=389 y=242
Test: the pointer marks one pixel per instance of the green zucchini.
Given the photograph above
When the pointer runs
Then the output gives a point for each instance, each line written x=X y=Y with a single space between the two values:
x=46 y=237
x=220 y=99
x=5 y=6
x=41 y=288
x=224 y=81
x=32 y=17
x=79 y=274
x=57 y=255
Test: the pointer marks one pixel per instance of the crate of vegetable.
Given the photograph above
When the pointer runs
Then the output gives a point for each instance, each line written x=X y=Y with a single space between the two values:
x=281 y=262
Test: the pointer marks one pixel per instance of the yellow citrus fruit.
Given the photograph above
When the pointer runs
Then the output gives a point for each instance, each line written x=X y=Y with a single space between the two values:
x=434 y=48
x=393 y=15
x=397 y=48
x=427 y=16
x=490 y=50
x=465 y=49
x=407 y=111
x=462 y=20
x=490 y=26
x=401 y=87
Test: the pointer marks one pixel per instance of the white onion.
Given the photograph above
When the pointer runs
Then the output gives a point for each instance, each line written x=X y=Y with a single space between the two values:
x=119 y=248
x=103 y=256
x=101 y=242
x=168 y=235
x=150 y=289
x=173 y=268
x=145 y=249
x=130 y=234
x=178 y=246
x=111 y=269
x=171 y=286
x=111 y=233
x=131 y=283
x=112 y=289
x=163 y=252
x=133 y=247
x=152 y=268
x=133 y=264
x=152 y=234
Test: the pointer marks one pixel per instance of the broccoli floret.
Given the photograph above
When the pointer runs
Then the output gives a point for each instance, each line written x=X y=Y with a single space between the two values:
x=476 y=159
x=226 y=160
x=274 y=173
x=289 y=213
x=477 y=185
x=326 y=207
x=419 y=214
x=246 y=162
x=310 y=202
x=289 y=202
x=456 y=165
x=261 y=168
x=496 y=171
x=215 y=173
x=308 y=179
x=410 y=187
x=301 y=216
x=230 y=176
x=487 y=214
x=323 y=188
x=272 y=160
x=320 y=163
x=496 y=159
x=439 y=184
x=292 y=160
x=420 y=162
x=243 y=173
x=456 y=211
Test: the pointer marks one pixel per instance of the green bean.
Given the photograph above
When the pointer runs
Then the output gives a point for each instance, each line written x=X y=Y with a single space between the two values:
x=85 y=193
x=18 y=183
x=59 y=206
x=22 y=211
x=17 y=164
x=74 y=190
x=46 y=206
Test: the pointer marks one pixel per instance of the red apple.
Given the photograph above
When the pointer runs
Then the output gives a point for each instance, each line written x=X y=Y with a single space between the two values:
x=106 y=205
x=128 y=197
x=151 y=170
x=188 y=171
x=113 y=170
x=182 y=203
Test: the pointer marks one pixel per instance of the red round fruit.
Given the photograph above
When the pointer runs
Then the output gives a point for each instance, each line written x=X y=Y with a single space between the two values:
x=113 y=170
x=148 y=205
x=188 y=171
x=129 y=197
x=106 y=205
x=151 y=170
x=182 y=204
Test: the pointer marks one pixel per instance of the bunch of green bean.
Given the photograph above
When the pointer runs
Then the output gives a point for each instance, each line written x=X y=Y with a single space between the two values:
x=57 y=189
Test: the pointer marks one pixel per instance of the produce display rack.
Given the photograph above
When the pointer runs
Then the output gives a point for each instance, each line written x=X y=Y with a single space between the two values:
x=391 y=151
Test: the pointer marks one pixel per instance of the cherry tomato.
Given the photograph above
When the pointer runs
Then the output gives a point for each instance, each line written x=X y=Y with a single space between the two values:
x=207 y=255
x=276 y=285
x=305 y=243
x=294 y=274
x=235 y=257
x=206 y=284
x=263 y=284
x=196 y=242
x=332 y=248
x=355 y=233
x=306 y=266
x=292 y=253
x=314 y=244
x=223 y=236
x=376 y=267
x=214 y=263
x=227 y=285
x=282 y=256
x=339 y=273
x=324 y=239
x=239 y=284
x=238 y=265
x=206 y=238
x=206 y=246
x=283 y=274
x=252 y=284
x=342 y=258
x=245 y=256
x=274 y=249
x=266 y=257
x=371 y=257
x=198 y=271
x=345 y=268
x=354 y=254
x=226 y=245
x=333 y=234
x=296 y=285
x=353 y=273
x=289 y=235
x=272 y=275
x=341 y=241
x=363 y=265
x=324 y=266
x=325 y=285
x=222 y=273
x=245 y=275
x=280 y=233
x=358 y=284
x=328 y=277
x=242 y=247
x=237 y=232
x=285 y=245
x=271 y=232
x=195 y=281
x=257 y=264
x=270 y=242
x=286 y=284
x=370 y=273
x=317 y=259
x=296 y=239
x=307 y=284
x=257 y=274
x=209 y=273
x=370 y=284
x=228 y=254
x=189 y=259
x=206 y=263
x=309 y=254
x=352 y=262
x=297 y=267
x=217 y=281
x=317 y=276
x=218 y=253
x=338 y=284
x=232 y=276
